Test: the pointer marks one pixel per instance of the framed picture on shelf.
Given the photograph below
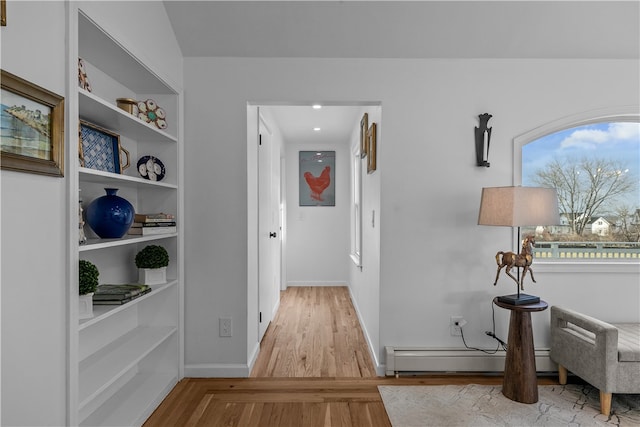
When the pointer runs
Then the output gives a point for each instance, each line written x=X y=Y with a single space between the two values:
x=100 y=149
x=372 y=148
x=32 y=130
x=317 y=178
x=364 y=126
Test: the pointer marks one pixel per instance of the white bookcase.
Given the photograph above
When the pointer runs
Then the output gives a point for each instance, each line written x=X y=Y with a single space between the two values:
x=125 y=359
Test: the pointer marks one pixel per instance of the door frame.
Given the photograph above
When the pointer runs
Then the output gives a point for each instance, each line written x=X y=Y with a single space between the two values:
x=253 y=344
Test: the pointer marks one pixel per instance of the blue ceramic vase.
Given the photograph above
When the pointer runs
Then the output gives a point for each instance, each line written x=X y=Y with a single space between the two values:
x=110 y=216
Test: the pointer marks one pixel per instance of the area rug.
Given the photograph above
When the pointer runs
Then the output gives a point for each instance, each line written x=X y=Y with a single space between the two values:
x=482 y=405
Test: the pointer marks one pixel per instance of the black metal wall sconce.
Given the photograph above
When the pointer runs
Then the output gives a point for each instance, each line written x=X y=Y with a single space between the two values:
x=483 y=139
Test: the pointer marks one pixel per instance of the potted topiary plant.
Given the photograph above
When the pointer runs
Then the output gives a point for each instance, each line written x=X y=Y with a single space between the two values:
x=152 y=262
x=87 y=283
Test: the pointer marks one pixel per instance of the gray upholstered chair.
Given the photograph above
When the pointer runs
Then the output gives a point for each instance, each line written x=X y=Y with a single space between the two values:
x=605 y=355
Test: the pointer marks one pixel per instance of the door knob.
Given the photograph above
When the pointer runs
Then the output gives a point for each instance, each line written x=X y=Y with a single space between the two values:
x=272 y=234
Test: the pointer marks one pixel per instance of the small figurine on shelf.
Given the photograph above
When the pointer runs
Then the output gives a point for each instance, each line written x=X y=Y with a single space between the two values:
x=83 y=80
x=82 y=238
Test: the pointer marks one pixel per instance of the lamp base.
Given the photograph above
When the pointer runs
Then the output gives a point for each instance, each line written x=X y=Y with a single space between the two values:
x=519 y=299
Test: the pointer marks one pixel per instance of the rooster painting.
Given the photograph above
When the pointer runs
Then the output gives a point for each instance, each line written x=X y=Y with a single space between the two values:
x=316 y=178
x=317 y=184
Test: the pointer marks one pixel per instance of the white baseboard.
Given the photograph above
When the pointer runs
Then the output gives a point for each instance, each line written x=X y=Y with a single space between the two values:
x=318 y=283
x=217 y=370
x=254 y=356
x=415 y=359
x=380 y=368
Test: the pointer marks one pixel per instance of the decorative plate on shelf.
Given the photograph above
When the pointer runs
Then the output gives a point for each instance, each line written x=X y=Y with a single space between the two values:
x=151 y=112
x=151 y=168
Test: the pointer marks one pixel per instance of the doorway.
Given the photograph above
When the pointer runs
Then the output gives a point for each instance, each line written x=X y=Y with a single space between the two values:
x=315 y=240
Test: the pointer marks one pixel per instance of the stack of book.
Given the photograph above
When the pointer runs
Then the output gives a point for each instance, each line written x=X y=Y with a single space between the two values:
x=158 y=223
x=119 y=294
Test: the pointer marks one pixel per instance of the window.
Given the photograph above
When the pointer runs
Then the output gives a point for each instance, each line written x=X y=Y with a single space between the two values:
x=356 y=206
x=594 y=163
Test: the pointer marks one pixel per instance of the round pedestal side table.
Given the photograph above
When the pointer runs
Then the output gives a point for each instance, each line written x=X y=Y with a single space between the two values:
x=520 y=382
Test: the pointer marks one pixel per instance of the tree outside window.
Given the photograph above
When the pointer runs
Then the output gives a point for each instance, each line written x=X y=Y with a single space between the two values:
x=596 y=170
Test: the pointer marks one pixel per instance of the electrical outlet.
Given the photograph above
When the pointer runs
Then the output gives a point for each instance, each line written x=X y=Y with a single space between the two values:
x=225 y=326
x=455 y=325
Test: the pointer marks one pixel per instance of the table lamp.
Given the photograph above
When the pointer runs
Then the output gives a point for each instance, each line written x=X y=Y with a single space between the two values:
x=516 y=207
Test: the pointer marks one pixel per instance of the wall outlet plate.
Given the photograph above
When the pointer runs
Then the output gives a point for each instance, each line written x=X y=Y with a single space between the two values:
x=454 y=325
x=225 y=326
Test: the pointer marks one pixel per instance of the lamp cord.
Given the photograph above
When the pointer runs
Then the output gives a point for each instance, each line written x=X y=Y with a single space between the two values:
x=491 y=333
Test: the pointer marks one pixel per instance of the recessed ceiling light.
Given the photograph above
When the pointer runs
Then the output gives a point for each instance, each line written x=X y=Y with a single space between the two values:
x=316 y=129
x=317 y=106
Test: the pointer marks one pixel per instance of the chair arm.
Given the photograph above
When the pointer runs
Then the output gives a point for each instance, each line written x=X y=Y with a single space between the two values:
x=586 y=346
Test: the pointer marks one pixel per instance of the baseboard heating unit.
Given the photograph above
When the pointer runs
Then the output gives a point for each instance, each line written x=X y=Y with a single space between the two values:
x=409 y=360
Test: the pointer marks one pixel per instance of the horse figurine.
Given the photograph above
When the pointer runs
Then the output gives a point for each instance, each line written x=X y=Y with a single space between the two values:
x=523 y=259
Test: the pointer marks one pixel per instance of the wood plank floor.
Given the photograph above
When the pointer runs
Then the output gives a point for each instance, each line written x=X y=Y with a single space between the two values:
x=314 y=369
x=316 y=333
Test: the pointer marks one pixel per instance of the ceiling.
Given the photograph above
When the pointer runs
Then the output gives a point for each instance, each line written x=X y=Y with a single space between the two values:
x=297 y=122
x=400 y=29
x=407 y=29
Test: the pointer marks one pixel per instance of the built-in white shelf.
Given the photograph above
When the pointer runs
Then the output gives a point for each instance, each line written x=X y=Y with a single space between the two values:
x=134 y=411
x=102 y=312
x=114 y=59
x=109 y=178
x=95 y=244
x=127 y=358
x=104 y=114
x=104 y=367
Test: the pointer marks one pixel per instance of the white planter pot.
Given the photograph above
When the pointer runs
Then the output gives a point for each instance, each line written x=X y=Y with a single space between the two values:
x=152 y=276
x=85 y=307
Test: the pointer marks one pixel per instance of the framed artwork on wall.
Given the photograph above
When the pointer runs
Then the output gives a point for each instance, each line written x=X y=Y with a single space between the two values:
x=3 y=13
x=372 y=148
x=32 y=130
x=317 y=178
x=364 y=127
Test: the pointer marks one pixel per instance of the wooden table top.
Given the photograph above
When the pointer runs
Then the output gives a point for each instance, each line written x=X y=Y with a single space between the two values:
x=539 y=306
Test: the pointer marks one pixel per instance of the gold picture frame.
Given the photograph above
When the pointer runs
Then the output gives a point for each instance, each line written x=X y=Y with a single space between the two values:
x=32 y=137
x=372 y=148
x=364 y=127
x=3 y=13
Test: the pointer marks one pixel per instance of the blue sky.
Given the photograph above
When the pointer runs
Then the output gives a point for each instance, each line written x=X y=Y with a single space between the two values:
x=613 y=141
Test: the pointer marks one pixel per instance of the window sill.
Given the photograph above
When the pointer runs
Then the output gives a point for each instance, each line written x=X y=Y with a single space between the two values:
x=622 y=267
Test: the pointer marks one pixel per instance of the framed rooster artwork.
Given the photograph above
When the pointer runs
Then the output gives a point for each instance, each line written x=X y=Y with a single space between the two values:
x=317 y=178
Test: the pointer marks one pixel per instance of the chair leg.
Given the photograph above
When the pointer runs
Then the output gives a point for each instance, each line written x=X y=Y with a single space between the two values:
x=605 y=403
x=562 y=374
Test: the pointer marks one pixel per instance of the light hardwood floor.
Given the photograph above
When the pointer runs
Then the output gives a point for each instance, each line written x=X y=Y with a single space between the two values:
x=316 y=333
x=314 y=369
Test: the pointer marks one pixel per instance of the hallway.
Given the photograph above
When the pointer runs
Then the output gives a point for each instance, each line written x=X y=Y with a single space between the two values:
x=316 y=333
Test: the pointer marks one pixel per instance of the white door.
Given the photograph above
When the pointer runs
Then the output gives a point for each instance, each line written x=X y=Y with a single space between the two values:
x=269 y=232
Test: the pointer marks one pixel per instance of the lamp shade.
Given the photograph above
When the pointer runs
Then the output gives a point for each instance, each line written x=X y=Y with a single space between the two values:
x=519 y=206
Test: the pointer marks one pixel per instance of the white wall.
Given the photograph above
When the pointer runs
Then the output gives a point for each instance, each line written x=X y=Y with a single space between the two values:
x=34 y=238
x=35 y=208
x=318 y=236
x=365 y=281
x=435 y=261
